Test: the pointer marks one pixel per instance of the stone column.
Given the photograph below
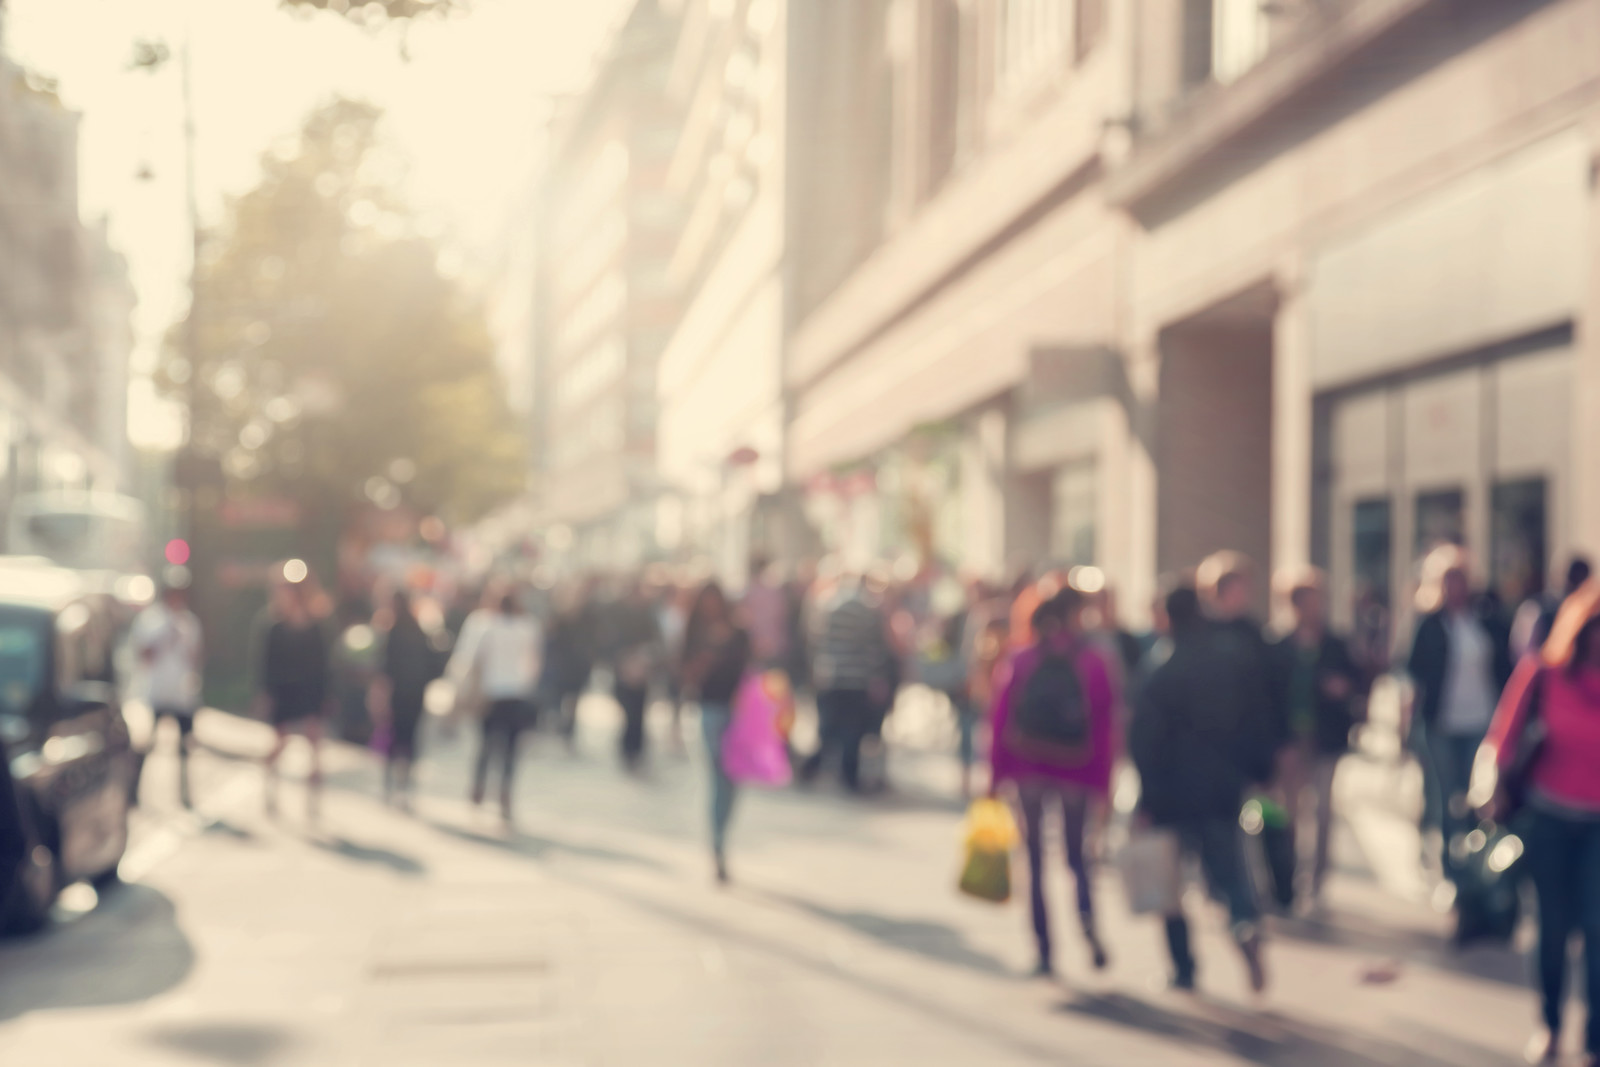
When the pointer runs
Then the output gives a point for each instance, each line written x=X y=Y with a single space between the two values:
x=1292 y=391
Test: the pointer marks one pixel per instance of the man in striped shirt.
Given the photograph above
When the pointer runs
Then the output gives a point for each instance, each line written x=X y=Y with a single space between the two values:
x=851 y=672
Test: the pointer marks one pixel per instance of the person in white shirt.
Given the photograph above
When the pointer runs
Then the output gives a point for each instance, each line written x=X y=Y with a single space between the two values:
x=167 y=643
x=497 y=658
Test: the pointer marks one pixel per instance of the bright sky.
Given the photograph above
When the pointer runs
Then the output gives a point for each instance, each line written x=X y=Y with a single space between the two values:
x=467 y=111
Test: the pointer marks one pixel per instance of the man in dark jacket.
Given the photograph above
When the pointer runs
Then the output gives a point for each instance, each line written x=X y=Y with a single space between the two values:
x=1460 y=662
x=1191 y=744
x=1227 y=587
x=1324 y=687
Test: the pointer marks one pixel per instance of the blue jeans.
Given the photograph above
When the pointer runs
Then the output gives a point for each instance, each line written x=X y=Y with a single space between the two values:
x=1219 y=844
x=1452 y=756
x=1564 y=861
x=714 y=722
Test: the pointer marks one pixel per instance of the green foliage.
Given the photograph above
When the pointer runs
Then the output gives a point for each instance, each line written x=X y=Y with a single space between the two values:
x=332 y=344
x=368 y=11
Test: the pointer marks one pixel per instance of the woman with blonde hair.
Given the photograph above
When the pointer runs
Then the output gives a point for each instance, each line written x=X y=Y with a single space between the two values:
x=1460 y=661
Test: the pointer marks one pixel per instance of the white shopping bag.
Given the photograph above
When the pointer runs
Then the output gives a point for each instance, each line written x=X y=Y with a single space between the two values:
x=1152 y=871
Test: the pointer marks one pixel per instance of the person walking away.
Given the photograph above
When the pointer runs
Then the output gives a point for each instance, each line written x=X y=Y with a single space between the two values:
x=852 y=674
x=1054 y=742
x=717 y=653
x=1190 y=745
x=167 y=641
x=500 y=647
x=569 y=659
x=1531 y=625
x=1560 y=824
x=638 y=650
x=797 y=598
x=1325 y=688
x=1227 y=589
x=672 y=618
x=766 y=612
x=410 y=661
x=294 y=695
x=1460 y=662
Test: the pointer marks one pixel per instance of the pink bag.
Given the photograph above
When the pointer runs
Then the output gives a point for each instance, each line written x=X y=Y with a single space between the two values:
x=753 y=749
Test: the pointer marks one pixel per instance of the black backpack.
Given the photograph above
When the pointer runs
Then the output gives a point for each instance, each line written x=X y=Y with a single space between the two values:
x=1050 y=720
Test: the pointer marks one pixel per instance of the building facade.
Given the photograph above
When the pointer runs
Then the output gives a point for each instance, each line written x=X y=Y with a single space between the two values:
x=1006 y=283
x=1309 y=280
x=65 y=307
x=605 y=304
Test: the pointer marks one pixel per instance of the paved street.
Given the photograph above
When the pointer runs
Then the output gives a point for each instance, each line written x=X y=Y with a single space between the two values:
x=593 y=935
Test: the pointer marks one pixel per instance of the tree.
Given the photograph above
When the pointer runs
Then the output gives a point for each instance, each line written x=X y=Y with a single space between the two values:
x=337 y=353
x=379 y=10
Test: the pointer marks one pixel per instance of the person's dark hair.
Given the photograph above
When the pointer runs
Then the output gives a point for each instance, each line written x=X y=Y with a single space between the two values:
x=1582 y=645
x=1578 y=572
x=1057 y=611
x=709 y=594
x=509 y=604
x=405 y=614
x=1183 y=608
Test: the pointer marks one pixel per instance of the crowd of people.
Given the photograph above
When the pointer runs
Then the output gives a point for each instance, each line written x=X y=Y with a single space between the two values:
x=1232 y=727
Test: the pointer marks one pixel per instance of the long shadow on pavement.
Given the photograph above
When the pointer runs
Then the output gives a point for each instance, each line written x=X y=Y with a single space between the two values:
x=236 y=1043
x=1273 y=1040
x=1411 y=946
x=380 y=857
x=534 y=847
x=127 y=950
x=934 y=940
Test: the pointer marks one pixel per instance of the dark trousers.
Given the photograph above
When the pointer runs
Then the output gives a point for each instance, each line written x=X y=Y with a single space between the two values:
x=1564 y=861
x=845 y=715
x=503 y=724
x=633 y=699
x=1074 y=805
x=1451 y=756
x=1219 y=844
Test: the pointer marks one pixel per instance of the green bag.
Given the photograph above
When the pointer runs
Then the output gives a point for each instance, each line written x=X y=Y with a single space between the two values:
x=987 y=875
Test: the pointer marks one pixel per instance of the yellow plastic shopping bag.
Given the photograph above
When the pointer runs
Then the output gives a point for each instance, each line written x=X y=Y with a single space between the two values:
x=991 y=834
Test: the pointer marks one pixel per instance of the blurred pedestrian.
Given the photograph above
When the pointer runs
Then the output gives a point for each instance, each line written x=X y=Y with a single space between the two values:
x=167 y=641
x=569 y=658
x=411 y=660
x=853 y=673
x=1195 y=755
x=766 y=612
x=294 y=691
x=672 y=617
x=638 y=649
x=498 y=655
x=1537 y=614
x=717 y=654
x=1055 y=741
x=1326 y=690
x=1460 y=661
x=1559 y=688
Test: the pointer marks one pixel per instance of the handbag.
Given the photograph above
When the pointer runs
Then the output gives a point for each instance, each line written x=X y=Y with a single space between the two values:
x=1152 y=871
x=1489 y=781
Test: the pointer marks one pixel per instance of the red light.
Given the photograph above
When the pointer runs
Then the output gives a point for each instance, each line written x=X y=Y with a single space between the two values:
x=177 y=552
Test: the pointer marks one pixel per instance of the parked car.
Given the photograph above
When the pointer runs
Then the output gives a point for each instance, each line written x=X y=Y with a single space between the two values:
x=69 y=774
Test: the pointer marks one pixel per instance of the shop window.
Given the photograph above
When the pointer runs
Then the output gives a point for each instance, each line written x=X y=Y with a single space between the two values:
x=1441 y=519
x=1373 y=552
x=1074 y=513
x=1519 y=530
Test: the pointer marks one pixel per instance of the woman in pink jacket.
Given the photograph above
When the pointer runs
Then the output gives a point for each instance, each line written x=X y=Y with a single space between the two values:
x=1561 y=687
x=1055 y=742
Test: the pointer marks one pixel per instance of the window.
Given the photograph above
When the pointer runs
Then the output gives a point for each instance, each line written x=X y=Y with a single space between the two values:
x=1240 y=33
x=1519 y=548
x=1029 y=40
x=1074 y=513
x=1222 y=39
x=1441 y=520
x=1373 y=552
x=1089 y=27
